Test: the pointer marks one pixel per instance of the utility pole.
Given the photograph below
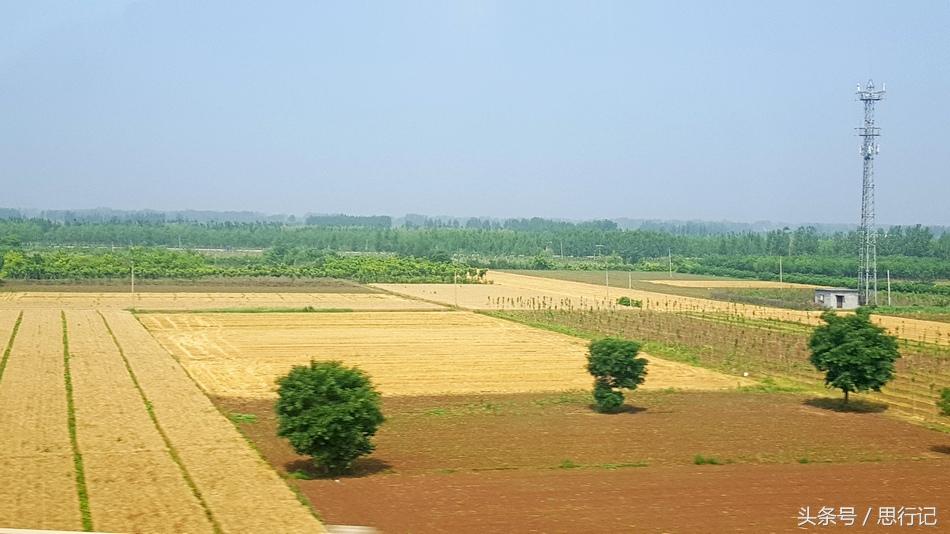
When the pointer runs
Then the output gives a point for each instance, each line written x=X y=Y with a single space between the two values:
x=606 y=272
x=869 y=148
x=133 y=278
x=670 y=251
x=781 y=277
x=888 y=287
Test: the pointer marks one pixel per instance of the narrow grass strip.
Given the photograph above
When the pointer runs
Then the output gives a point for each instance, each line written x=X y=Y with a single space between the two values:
x=168 y=444
x=6 y=352
x=81 y=489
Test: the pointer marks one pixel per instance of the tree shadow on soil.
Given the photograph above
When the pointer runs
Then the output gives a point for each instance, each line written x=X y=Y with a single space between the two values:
x=853 y=406
x=626 y=408
x=362 y=467
x=942 y=449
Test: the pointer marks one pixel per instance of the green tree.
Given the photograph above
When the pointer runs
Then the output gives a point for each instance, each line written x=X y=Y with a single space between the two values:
x=329 y=412
x=855 y=354
x=615 y=366
x=944 y=402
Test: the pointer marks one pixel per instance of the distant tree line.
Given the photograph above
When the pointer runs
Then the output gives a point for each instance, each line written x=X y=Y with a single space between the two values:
x=152 y=262
x=914 y=254
x=519 y=237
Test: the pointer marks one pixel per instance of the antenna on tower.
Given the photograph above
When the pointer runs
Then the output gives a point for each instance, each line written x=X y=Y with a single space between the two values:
x=867 y=277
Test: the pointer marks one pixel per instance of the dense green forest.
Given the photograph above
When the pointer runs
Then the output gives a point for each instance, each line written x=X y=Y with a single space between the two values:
x=40 y=248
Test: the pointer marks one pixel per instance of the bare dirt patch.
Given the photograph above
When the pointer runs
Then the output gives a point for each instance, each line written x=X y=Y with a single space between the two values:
x=548 y=463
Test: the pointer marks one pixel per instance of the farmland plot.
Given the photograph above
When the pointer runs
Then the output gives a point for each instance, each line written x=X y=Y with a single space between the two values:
x=243 y=493
x=37 y=476
x=199 y=301
x=134 y=483
x=514 y=291
x=405 y=353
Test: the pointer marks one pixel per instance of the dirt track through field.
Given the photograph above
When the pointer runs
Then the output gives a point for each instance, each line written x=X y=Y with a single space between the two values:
x=199 y=301
x=37 y=476
x=515 y=291
x=134 y=483
x=405 y=353
x=242 y=491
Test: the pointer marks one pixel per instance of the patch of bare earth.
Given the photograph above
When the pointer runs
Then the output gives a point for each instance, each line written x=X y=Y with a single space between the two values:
x=546 y=462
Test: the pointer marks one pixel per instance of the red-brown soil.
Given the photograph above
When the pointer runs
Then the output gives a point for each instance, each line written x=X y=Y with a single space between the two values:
x=548 y=463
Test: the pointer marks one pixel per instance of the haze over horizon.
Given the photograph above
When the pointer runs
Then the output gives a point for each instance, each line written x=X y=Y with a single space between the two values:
x=649 y=110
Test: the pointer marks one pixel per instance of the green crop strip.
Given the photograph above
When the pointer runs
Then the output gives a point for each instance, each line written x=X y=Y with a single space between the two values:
x=81 y=489
x=168 y=444
x=6 y=352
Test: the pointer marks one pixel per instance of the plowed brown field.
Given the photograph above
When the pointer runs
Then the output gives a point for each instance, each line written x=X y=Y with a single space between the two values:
x=200 y=301
x=37 y=480
x=514 y=291
x=546 y=463
x=405 y=353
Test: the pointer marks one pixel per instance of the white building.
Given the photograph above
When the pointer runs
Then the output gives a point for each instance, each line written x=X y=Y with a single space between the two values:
x=837 y=298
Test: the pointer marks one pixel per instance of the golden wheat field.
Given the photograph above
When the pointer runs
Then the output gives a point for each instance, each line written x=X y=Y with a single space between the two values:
x=106 y=432
x=202 y=301
x=405 y=353
x=515 y=291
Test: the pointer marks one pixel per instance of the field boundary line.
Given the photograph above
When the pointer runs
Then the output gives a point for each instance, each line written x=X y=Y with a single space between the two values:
x=450 y=307
x=171 y=448
x=251 y=311
x=173 y=356
x=81 y=489
x=287 y=479
x=287 y=482
x=9 y=347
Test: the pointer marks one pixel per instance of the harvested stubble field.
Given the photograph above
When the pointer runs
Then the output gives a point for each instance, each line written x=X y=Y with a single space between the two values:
x=110 y=434
x=37 y=477
x=207 y=301
x=547 y=463
x=513 y=291
x=405 y=353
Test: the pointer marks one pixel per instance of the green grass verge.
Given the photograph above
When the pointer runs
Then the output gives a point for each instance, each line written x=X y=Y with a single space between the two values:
x=244 y=418
x=168 y=444
x=9 y=348
x=81 y=489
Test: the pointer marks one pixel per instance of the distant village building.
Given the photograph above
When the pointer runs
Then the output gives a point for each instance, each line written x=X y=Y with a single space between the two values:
x=837 y=298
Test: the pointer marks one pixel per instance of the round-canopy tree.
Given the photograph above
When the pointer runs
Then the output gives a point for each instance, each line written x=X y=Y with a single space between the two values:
x=943 y=403
x=329 y=412
x=615 y=366
x=854 y=353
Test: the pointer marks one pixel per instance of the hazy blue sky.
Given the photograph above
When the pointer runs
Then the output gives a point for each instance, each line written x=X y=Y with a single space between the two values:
x=692 y=110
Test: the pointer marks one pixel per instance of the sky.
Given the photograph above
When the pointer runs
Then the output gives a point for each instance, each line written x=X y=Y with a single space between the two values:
x=739 y=111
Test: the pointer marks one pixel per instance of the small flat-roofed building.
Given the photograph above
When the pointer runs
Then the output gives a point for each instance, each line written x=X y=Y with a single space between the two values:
x=837 y=298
